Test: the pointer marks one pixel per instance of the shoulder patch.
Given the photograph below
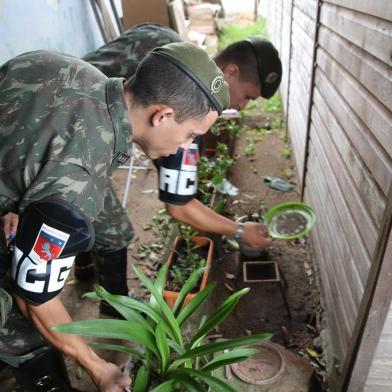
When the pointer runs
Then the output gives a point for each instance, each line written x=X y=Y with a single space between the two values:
x=49 y=244
x=190 y=158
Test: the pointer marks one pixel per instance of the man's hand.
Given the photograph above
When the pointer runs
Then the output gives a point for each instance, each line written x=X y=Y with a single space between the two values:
x=256 y=235
x=111 y=379
x=9 y=223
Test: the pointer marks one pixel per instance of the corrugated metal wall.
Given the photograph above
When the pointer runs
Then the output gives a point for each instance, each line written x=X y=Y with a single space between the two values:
x=343 y=139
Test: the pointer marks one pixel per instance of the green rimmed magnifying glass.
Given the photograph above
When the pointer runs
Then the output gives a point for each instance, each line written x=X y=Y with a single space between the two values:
x=287 y=221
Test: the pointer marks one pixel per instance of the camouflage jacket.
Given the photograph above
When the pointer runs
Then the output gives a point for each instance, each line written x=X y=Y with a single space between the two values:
x=122 y=56
x=63 y=124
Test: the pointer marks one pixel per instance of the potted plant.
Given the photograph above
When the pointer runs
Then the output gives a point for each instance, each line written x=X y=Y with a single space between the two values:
x=190 y=252
x=167 y=360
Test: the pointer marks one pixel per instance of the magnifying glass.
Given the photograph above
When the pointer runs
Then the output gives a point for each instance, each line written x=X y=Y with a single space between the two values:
x=287 y=221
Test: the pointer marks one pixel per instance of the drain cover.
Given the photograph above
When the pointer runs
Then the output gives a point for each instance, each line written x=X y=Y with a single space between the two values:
x=266 y=367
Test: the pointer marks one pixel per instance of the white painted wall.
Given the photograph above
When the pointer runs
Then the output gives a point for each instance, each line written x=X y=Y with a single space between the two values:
x=66 y=26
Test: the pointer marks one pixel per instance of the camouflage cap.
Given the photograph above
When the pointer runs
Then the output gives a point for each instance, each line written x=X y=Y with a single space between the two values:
x=196 y=64
x=268 y=63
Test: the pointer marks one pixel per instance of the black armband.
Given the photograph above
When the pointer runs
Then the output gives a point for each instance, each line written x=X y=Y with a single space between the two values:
x=178 y=176
x=50 y=233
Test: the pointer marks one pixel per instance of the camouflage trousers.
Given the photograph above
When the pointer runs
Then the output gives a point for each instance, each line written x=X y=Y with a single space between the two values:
x=113 y=230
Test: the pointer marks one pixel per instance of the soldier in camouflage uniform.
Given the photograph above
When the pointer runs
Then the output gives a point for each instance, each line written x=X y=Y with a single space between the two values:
x=63 y=127
x=251 y=68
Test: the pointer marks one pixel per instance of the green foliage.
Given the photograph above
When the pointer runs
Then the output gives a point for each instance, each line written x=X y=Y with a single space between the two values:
x=249 y=149
x=212 y=172
x=230 y=33
x=222 y=125
x=188 y=260
x=272 y=105
x=277 y=123
x=286 y=152
x=167 y=360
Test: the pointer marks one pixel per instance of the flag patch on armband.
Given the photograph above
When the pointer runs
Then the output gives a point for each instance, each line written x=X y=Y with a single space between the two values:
x=190 y=157
x=49 y=243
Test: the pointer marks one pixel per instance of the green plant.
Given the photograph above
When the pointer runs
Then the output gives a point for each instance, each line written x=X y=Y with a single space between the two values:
x=223 y=125
x=230 y=33
x=249 y=149
x=272 y=105
x=168 y=360
x=277 y=123
x=212 y=172
x=286 y=152
x=187 y=261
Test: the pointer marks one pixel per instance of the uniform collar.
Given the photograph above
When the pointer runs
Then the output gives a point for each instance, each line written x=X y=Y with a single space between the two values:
x=120 y=120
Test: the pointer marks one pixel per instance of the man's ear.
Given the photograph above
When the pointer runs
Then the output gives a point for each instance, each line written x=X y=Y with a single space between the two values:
x=161 y=114
x=230 y=70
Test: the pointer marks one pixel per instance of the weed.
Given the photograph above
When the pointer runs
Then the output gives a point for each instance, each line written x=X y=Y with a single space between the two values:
x=286 y=152
x=272 y=105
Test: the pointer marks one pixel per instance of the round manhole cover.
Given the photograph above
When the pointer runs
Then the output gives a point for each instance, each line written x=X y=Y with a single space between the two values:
x=263 y=368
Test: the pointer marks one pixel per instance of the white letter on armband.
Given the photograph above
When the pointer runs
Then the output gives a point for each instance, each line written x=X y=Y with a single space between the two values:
x=187 y=184
x=168 y=180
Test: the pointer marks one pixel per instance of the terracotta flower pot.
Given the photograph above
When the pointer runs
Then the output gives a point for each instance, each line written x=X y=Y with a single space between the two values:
x=171 y=296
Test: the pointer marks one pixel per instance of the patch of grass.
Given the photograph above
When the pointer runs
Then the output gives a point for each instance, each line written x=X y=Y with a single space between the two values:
x=272 y=105
x=230 y=33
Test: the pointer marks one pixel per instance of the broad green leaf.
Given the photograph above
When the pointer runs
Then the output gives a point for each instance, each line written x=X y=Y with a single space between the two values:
x=141 y=380
x=159 y=285
x=220 y=314
x=91 y=295
x=127 y=312
x=216 y=180
x=186 y=289
x=146 y=309
x=190 y=384
x=114 y=329
x=217 y=384
x=220 y=346
x=116 y=347
x=195 y=303
x=163 y=346
x=176 y=347
x=167 y=312
x=167 y=386
x=228 y=358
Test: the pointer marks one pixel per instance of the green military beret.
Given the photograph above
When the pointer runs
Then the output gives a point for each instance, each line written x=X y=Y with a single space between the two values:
x=268 y=63
x=196 y=63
